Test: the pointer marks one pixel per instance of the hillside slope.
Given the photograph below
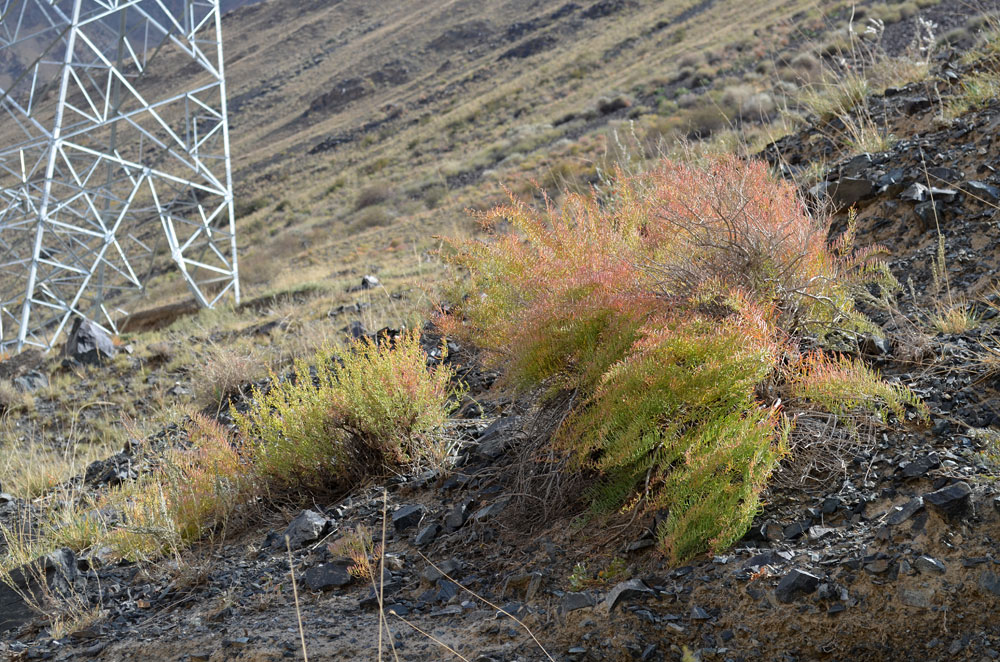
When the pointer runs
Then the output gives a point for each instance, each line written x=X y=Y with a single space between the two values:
x=363 y=129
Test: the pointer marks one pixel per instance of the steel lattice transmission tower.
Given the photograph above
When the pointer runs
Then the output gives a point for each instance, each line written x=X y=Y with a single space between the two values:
x=114 y=160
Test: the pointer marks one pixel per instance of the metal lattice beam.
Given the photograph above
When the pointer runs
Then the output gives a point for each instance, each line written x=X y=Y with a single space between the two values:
x=114 y=160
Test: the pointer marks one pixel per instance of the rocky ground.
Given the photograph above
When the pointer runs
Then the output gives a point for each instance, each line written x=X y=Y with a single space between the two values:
x=889 y=549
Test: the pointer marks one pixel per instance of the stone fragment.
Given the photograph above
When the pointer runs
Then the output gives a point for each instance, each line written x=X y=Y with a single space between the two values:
x=407 y=517
x=982 y=190
x=626 y=592
x=427 y=535
x=990 y=581
x=307 y=527
x=878 y=566
x=914 y=105
x=921 y=466
x=88 y=343
x=940 y=174
x=699 y=614
x=458 y=515
x=916 y=192
x=953 y=502
x=929 y=212
x=899 y=514
x=446 y=591
x=326 y=576
x=492 y=510
x=830 y=505
x=929 y=565
x=496 y=438
x=449 y=567
x=856 y=165
x=795 y=530
x=876 y=346
x=575 y=601
x=796 y=583
x=54 y=574
x=848 y=191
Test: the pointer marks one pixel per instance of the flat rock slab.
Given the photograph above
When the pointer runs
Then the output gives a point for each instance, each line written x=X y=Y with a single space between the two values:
x=625 y=592
x=327 y=576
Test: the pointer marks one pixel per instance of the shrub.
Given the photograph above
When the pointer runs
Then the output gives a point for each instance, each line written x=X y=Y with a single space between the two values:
x=372 y=195
x=244 y=207
x=195 y=490
x=670 y=306
x=372 y=217
x=343 y=420
x=975 y=91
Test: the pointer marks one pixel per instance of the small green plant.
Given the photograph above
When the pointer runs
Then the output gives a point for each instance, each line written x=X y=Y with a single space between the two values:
x=579 y=579
x=955 y=319
x=616 y=571
x=344 y=419
x=975 y=91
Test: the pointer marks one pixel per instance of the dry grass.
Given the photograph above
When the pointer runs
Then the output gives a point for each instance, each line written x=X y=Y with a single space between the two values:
x=30 y=466
x=226 y=371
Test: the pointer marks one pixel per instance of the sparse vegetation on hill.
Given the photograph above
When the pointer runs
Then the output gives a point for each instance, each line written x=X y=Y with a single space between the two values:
x=721 y=429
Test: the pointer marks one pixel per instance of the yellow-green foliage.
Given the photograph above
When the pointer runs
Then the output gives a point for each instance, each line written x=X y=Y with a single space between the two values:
x=196 y=489
x=976 y=90
x=668 y=305
x=343 y=419
x=691 y=428
x=842 y=385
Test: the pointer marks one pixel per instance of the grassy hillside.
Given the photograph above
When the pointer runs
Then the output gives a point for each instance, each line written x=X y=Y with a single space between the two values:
x=673 y=402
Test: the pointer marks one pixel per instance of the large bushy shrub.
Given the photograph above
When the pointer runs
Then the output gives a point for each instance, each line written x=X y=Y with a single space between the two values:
x=675 y=304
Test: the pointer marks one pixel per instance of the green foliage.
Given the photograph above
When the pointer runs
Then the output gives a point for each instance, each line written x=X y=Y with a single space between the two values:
x=842 y=385
x=581 y=579
x=342 y=420
x=692 y=432
x=669 y=304
x=975 y=91
x=195 y=490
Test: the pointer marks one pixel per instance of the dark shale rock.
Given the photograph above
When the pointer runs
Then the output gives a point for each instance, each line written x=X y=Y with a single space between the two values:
x=929 y=565
x=55 y=573
x=796 y=583
x=953 y=502
x=427 y=535
x=848 y=191
x=982 y=190
x=458 y=515
x=308 y=527
x=922 y=465
x=327 y=576
x=626 y=592
x=575 y=601
x=899 y=514
x=407 y=517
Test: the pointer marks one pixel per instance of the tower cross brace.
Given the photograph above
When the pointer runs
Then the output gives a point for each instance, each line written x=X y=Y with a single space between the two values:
x=114 y=161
